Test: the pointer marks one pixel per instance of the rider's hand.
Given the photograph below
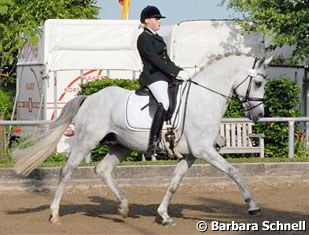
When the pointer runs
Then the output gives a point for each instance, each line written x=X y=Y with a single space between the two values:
x=183 y=75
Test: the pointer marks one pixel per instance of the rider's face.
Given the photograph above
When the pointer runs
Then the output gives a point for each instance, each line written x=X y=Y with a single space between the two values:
x=153 y=23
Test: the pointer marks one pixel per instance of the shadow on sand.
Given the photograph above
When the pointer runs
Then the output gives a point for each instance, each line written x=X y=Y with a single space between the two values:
x=207 y=210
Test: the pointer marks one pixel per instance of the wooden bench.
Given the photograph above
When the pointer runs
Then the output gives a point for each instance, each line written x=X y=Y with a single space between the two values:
x=238 y=138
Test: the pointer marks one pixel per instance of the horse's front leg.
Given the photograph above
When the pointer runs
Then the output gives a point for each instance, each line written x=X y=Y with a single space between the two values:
x=104 y=171
x=215 y=159
x=180 y=170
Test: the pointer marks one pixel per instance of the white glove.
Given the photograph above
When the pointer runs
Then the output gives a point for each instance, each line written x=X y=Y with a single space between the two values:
x=183 y=75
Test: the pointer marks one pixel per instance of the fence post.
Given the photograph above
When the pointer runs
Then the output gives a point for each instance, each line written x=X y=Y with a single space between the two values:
x=262 y=144
x=3 y=148
x=291 y=139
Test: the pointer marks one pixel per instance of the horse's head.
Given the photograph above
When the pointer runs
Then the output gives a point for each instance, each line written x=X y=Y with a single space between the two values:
x=250 y=89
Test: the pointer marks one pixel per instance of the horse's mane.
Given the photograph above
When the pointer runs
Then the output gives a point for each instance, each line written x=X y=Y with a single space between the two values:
x=222 y=56
x=216 y=58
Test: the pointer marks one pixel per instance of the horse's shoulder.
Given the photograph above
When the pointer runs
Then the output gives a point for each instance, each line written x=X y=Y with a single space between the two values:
x=114 y=89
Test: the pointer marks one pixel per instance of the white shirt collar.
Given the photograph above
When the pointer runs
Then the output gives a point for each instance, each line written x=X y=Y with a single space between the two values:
x=151 y=30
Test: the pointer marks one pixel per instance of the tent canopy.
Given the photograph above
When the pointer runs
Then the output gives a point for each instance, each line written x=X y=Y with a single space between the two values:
x=193 y=43
x=88 y=44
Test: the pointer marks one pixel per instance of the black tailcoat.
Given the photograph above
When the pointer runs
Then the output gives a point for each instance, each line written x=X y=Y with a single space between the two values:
x=157 y=64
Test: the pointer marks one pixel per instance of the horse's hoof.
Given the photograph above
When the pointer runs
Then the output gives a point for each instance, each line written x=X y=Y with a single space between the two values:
x=123 y=208
x=164 y=222
x=123 y=211
x=256 y=212
x=55 y=220
x=168 y=222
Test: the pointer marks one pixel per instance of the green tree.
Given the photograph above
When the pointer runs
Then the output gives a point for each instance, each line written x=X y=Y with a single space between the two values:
x=285 y=22
x=20 y=21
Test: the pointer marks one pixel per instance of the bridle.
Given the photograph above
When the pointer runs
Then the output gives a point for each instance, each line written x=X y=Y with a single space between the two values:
x=247 y=98
x=252 y=73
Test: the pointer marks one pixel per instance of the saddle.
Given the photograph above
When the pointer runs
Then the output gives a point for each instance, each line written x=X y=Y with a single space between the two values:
x=141 y=107
x=173 y=89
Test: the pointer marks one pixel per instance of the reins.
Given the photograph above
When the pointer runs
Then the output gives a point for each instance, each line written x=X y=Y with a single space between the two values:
x=184 y=112
x=207 y=88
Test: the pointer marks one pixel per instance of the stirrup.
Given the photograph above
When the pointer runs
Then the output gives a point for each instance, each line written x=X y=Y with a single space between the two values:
x=155 y=151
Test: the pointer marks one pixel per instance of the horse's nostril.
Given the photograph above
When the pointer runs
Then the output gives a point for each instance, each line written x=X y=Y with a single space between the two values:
x=261 y=114
x=255 y=119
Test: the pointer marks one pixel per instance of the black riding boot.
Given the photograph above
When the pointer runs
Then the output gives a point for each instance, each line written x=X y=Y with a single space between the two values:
x=155 y=133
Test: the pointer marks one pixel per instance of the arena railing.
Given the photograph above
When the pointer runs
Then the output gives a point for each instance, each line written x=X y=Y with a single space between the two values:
x=291 y=123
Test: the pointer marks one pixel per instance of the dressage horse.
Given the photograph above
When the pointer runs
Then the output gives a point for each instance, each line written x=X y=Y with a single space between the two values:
x=99 y=115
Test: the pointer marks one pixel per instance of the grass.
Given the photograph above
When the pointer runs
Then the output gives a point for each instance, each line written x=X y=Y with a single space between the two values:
x=58 y=160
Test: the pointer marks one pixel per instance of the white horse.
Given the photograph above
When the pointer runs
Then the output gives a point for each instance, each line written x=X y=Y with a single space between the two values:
x=98 y=115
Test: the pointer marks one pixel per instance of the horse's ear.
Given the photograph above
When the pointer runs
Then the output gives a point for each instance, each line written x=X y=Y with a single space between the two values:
x=268 y=60
x=264 y=61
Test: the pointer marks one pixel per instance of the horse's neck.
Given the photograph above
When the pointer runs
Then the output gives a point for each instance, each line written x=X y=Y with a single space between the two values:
x=211 y=104
x=222 y=74
x=220 y=78
x=217 y=77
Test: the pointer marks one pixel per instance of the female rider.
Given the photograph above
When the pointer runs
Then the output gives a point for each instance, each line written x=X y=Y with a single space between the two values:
x=158 y=72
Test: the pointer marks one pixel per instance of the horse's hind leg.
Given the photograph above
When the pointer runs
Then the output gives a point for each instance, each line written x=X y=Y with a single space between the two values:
x=104 y=170
x=215 y=159
x=180 y=170
x=77 y=155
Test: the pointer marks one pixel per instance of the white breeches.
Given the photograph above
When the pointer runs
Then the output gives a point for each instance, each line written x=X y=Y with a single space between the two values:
x=159 y=90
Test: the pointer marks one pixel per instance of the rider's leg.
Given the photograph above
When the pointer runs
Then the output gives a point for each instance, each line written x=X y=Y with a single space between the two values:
x=155 y=132
x=160 y=92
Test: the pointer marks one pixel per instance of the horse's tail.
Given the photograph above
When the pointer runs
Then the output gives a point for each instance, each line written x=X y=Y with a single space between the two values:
x=46 y=139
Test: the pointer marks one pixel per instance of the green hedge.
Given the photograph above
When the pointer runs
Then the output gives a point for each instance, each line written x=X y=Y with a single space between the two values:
x=281 y=98
x=6 y=104
x=96 y=85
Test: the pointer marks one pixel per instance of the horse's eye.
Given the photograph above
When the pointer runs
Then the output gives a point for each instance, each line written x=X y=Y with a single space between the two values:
x=258 y=84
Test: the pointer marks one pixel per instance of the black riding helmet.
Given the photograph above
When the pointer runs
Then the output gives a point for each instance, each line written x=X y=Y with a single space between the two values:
x=150 y=12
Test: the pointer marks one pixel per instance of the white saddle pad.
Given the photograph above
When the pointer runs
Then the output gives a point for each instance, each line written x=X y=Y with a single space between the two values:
x=138 y=114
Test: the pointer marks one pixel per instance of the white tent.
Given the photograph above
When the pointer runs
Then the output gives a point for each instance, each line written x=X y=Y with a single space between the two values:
x=70 y=52
x=193 y=43
x=87 y=44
